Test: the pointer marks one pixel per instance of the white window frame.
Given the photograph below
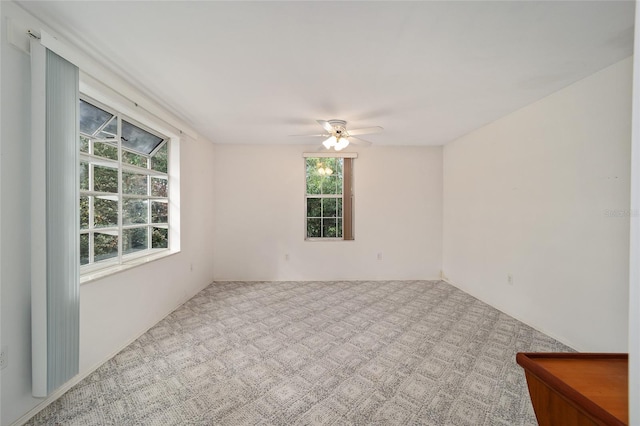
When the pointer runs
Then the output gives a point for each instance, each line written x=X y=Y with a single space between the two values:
x=121 y=108
x=342 y=195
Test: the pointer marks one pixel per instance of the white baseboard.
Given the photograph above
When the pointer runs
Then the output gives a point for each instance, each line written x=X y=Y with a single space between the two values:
x=516 y=316
x=77 y=379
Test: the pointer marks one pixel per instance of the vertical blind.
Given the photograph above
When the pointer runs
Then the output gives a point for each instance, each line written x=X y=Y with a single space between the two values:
x=55 y=287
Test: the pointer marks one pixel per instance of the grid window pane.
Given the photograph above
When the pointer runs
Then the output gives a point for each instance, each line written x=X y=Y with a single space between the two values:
x=84 y=249
x=134 y=240
x=110 y=130
x=314 y=207
x=105 y=246
x=314 y=228
x=339 y=166
x=84 y=212
x=159 y=187
x=105 y=150
x=139 y=140
x=333 y=164
x=105 y=212
x=133 y=183
x=329 y=228
x=314 y=180
x=160 y=160
x=105 y=179
x=92 y=117
x=159 y=212
x=329 y=207
x=134 y=159
x=332 y=185
x=84 y=176
x=160 y=238
x=83 y=144
x=134 y=211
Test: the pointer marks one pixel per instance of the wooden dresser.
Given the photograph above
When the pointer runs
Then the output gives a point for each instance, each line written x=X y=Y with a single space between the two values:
x=575 y=389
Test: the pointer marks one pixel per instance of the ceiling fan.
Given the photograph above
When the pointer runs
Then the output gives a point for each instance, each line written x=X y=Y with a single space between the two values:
x=338 y=137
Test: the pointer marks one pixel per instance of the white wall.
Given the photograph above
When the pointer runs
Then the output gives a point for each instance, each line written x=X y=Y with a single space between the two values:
x=543 y=194
x=259 y=216
x=634 y=255
x=116 y=309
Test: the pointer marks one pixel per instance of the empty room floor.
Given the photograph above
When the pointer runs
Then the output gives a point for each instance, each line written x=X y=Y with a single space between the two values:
x=315 y=353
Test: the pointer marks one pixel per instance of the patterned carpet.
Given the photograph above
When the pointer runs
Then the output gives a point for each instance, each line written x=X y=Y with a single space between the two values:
x=315 y=353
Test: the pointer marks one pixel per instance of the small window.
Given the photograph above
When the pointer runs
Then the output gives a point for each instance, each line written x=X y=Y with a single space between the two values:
x=329 y=198
x=124 y=187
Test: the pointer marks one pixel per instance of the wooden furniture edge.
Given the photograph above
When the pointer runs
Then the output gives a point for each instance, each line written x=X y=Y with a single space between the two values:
x=582 y=403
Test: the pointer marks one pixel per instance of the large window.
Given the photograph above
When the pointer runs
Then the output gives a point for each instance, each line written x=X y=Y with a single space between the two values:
x=124 y=187
x=329 y=198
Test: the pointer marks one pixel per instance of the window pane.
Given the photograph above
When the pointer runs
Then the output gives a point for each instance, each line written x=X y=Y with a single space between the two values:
x=84 y=249
x=84 y=212
x=84 y=176
x=133 y=183
x=105 y=179
x=134 y=240
x=331 y=185
x=134 y=159
x=159 y=187
x=314 y=207
x=159 y=160
x=314 y=180
x=329 y=228
x=332 y=164
x=159 y=212
x=314 y=228
x=105 y=212
x=339 y=211
x=105 y=150
x=338 y=166
x=137 y=139
x=160 y=238
x=329 y=207
x=134 y=211
x=110 y=130
x=91 y=118
x=339 y=231
x=311 y=165
x=314 y=185
x=105 y=246
x=84 y=144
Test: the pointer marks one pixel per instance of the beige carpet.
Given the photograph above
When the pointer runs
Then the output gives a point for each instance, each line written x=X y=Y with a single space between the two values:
x=315 y=353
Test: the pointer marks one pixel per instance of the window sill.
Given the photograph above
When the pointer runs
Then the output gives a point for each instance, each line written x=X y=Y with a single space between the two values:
x=316 y=239
x=96 y=274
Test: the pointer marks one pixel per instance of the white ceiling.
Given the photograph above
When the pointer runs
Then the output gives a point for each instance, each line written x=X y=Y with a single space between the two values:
x=428 y=72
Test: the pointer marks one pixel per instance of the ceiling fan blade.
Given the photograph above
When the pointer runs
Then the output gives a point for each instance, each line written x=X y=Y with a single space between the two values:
x=365 y=131
x=324 y=135
x=325 y=125
x=359 y=141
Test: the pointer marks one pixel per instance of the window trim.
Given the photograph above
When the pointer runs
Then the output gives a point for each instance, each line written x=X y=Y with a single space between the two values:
x=347 y=194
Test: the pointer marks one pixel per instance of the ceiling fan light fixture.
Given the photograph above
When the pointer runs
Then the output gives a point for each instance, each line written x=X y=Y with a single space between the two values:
x=341 y=144
x=330 y=142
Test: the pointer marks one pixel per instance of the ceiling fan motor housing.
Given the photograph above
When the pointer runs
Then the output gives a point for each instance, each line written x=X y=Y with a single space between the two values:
x=339 y=126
